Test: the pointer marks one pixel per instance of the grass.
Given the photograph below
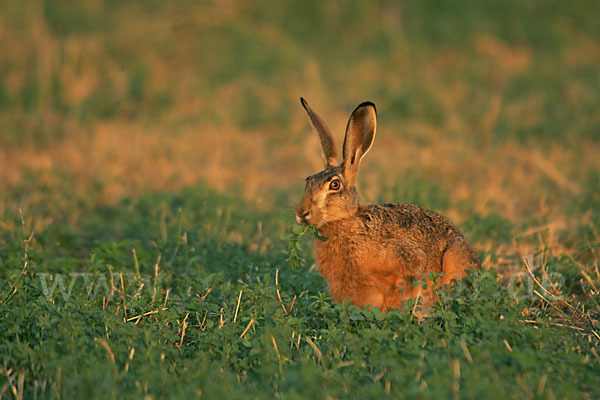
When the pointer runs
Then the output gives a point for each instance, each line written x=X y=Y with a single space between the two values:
x=152 y=153
x=164 y=297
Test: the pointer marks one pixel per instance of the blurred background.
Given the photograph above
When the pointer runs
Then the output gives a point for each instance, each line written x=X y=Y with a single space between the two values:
x=164 y=141
x=486 y=110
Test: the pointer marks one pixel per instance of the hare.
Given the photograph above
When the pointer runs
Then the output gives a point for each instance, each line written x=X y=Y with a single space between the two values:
x=373 y=253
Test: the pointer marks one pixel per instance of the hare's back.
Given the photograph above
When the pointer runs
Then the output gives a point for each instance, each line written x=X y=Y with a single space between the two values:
x=394 y=219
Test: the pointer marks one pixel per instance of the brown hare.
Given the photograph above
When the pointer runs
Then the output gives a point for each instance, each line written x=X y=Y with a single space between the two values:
x=374 y=253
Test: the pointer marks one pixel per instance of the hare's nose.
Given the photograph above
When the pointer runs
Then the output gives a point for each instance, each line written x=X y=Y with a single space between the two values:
x=302 y=216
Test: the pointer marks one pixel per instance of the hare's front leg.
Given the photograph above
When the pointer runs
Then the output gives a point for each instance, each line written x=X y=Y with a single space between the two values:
x=369 y=295
x=398 y=294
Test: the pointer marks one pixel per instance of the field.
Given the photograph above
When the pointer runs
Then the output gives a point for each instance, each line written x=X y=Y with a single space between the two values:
x=152 y=154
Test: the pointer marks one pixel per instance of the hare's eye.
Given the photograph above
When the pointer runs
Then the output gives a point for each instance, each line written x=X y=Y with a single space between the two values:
x=335 y=184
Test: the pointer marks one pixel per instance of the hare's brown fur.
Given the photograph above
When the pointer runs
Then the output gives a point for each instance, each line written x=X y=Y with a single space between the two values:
x=374 y=257
x=374 y=253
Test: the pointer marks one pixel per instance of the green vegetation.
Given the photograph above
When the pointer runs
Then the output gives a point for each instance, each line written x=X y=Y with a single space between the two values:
x=186 y=295
x=121 y=276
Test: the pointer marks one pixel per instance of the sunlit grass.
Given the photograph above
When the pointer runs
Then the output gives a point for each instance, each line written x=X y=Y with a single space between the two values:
x=112 y=114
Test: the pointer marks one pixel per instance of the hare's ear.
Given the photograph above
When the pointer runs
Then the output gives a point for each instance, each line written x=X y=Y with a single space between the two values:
x=360 y=133
x=327 y=143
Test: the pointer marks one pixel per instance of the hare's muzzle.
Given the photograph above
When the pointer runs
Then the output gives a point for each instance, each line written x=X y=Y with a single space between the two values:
x=302 y=215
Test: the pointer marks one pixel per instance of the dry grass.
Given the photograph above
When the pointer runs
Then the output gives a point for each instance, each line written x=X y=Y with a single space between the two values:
x=129 y=159
x=488 y=111
x=199 y=136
